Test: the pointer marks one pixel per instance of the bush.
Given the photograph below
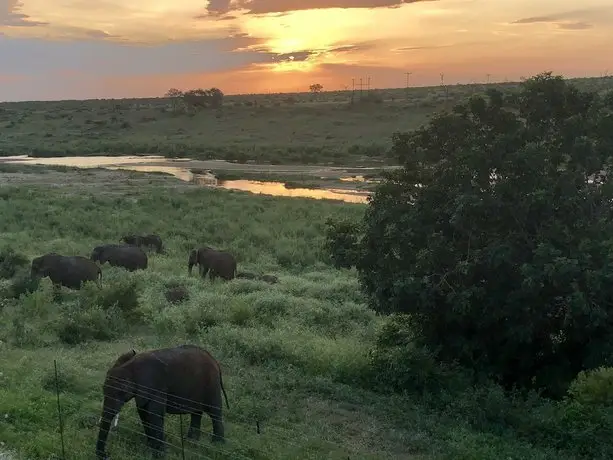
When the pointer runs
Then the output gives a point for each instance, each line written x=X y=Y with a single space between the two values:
x=492 y=237
x=10 y=262
x=341 y=242
x=593 y=388
x=399 y=364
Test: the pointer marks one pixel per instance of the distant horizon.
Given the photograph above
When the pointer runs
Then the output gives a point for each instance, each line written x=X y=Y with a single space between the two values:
x=81 y=50
x=324 y=90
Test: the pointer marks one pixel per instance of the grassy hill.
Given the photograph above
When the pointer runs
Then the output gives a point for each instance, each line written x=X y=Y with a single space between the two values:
x=297 y=356
x=298 y=128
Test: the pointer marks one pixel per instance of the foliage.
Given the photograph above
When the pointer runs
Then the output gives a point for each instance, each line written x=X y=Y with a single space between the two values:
x=316 y=88
x=494 y=238
x=11 y=262
x=594 y=387
x=342 y=242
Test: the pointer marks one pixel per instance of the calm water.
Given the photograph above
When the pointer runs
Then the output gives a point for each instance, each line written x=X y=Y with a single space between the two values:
x=181 y=168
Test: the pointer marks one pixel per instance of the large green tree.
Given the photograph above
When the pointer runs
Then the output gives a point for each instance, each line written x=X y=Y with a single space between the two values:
x=496 y=236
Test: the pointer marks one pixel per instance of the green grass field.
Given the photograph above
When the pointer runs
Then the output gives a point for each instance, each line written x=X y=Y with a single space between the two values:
x=275 y=128
x=296 y=355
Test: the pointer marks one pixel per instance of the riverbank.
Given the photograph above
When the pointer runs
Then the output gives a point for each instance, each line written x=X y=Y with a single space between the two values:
x=348 y=184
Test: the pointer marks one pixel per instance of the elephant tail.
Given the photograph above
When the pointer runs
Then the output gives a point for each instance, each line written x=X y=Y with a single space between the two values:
x=223 y=389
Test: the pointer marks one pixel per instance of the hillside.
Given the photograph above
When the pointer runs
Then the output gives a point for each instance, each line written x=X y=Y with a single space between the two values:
x=296 y=128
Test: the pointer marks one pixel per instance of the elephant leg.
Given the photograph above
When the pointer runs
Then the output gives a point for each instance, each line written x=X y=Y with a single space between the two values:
x=213 y=275
x=144 y=418
x=156 y=425
x=194 y=426
x=218 y=428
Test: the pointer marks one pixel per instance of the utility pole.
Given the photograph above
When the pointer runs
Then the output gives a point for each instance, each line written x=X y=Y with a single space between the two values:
x=406 y=88
x=444 y=87
x=352 y=89
x=368 y=85
x=488 y=78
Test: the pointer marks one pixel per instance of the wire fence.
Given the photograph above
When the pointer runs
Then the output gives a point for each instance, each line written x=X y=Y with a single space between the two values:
x=165 y=420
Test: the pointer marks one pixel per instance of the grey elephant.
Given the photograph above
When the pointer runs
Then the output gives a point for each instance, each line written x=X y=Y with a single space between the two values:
x=219 y=263
x=152 y=240
x=120 y=255
x=182 y=380
x=68 y=271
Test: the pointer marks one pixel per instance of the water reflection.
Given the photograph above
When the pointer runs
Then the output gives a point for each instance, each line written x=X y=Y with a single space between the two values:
x=279 y=189
x=157 y=163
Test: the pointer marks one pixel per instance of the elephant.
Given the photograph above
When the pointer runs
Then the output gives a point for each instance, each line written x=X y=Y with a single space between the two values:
x=181 y=380
x=144 y=241
x=120 y=255
x=220 y=263
x=68 y=271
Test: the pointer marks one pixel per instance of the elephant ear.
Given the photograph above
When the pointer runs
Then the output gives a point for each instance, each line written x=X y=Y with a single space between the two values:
x=124 y=358
x=151 y=378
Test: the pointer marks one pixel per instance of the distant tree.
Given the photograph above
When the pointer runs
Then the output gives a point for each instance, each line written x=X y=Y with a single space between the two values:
x=174 y=95
x=212 y=98
x=316 y=88
x=496 y=236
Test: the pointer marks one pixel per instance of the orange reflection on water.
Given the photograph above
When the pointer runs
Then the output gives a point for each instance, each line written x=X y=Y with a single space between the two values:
x=279 y=189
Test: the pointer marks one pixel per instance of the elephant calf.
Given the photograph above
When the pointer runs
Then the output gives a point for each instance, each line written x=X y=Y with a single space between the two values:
x=120 y=255
x=180 y=380
x=68 y=271
x=152 y=240
x=220 y=263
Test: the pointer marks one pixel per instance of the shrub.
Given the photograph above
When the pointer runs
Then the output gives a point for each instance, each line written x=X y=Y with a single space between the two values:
x=400 y=364
x=21 y=283
x=176 y=293
x=492 y=237
x=10 y=262
x=341 y=243
x=594 y=387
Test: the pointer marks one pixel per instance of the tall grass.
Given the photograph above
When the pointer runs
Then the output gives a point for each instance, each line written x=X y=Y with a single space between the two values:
x=297 y=356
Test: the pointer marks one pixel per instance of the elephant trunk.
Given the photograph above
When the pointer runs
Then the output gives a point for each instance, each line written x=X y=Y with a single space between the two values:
x=110 y=410
x=189 y=268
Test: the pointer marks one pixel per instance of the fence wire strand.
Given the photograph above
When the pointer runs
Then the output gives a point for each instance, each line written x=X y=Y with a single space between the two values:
x=183 y=406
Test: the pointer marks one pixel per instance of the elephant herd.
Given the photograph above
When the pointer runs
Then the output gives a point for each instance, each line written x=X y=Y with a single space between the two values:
x=73 y=271
x=181 y=380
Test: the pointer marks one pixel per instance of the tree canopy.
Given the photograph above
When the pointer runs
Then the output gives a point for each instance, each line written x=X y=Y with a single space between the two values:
x=496 y=236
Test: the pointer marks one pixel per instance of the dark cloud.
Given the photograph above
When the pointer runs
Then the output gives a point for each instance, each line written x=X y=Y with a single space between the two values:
x=419 y=48
x=222 y=7
x=10 y=15
x=575 y=26
x=571 y=20
x=297 y=56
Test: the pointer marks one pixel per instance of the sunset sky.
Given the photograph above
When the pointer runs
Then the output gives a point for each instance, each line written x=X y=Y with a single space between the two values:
x=77 y=49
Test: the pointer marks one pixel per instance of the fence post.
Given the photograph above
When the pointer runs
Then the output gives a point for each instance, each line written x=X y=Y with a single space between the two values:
x=182 y=440
x=59 y=409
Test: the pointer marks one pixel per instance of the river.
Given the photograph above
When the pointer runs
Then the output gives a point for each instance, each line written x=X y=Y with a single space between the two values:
x=183 y=169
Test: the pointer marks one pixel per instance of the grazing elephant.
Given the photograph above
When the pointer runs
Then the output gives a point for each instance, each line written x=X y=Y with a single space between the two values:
x=144 y=241
x=220 y=263
x=120 y=255
x=182 y=380
x=69 y=271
